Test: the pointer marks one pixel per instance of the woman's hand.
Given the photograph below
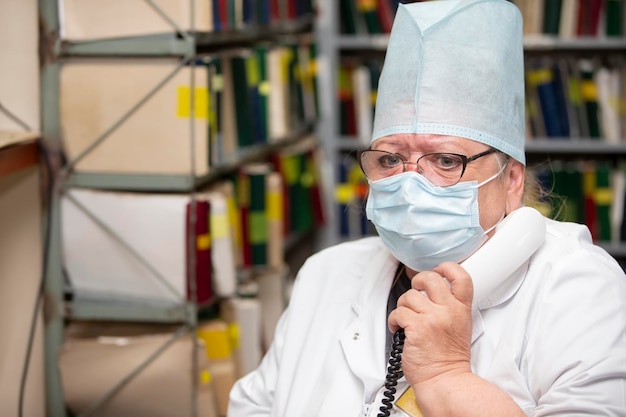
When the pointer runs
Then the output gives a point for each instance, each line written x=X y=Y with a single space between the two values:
x=438 y=327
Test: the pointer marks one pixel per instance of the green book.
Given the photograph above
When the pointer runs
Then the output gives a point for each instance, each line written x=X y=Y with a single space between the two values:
x=603 y=198
x=242 y=102
x=257 y=214
x=551 y=17
x=589 y=95
x=614 y=15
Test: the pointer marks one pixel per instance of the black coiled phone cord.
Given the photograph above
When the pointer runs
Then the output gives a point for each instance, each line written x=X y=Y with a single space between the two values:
x=394 y=373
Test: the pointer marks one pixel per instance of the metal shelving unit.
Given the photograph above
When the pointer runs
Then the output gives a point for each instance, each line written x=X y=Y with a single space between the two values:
x=334 y=44
x=180 y=44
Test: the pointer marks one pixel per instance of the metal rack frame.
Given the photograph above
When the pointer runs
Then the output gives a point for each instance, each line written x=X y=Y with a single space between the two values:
x=181 y=44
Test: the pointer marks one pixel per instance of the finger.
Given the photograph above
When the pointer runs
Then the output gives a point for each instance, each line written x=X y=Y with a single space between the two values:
x=402 y=317
x=461 y=285
x=433 y=284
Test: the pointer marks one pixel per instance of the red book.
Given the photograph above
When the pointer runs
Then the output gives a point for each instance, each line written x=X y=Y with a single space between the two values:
x=589 y=12
x=274 y=10
x=224 y=14
x=316 y=193
x=292 y=12
x=385 y=15
x=200 y=245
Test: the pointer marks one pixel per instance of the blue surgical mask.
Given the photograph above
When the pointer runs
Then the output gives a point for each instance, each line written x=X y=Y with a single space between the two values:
x=424 y=225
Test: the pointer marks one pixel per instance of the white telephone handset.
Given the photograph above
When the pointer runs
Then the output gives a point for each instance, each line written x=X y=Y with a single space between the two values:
x=517 y=237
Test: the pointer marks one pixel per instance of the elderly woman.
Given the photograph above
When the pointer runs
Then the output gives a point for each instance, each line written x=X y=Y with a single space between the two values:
x=535 y=328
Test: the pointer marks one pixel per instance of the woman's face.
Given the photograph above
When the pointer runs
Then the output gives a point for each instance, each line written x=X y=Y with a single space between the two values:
x=496 y=198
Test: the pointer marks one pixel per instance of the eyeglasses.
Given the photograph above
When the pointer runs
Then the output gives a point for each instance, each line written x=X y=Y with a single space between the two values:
x=442 y=169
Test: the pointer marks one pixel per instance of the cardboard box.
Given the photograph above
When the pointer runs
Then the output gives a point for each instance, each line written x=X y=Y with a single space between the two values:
x=157 y=138
x=19 y=72
x=91 y=366
x=84 y=20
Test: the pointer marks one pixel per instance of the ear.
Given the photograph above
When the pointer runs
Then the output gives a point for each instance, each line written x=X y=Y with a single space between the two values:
x=515 y=189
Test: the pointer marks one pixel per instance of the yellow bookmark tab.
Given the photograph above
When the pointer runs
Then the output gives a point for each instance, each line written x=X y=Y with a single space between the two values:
x=408 y=403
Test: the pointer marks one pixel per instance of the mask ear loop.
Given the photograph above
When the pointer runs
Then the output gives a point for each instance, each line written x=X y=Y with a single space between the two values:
x=493 y=177
x=487 y=181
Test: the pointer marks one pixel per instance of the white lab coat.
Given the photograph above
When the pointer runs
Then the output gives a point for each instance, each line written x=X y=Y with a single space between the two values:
x=556 y=343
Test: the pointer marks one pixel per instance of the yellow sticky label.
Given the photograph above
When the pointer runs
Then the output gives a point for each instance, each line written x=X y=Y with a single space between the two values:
x=205 y=377
x=366 y=5
x=574 y=91
x=264 y=88
x=603 y=196
x=291 y=168
x=540 y=76
x=219 y=225
x=589 y=182
x=344 y=193
x=203 y=242
x=217 y=83
x=201 y=102
x=258 y=227
x=589 y=90
x=233 y=216
x=408 y=403
x=274 y=205
x=244 y=191
x=217 y=342
x=233 y=335
x=307 y=179
x=252 y=70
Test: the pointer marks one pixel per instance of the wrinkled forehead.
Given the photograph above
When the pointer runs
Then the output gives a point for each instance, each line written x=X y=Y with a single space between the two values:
x=424 y=143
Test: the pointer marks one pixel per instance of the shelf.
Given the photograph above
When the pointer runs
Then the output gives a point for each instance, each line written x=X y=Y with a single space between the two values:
x=17 y=156
x=107 y=310
x=172 y=44
x=617 y=250
x=540 y=43
x=183 y=182
x=568 y=148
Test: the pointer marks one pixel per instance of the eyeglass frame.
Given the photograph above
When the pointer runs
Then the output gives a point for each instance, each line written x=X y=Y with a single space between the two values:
x=464 y=158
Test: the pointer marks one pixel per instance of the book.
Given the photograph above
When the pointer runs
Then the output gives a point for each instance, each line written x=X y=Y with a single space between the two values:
x=257 y=214
x=589 y=193
x=198 y=252
x=589 y=95
x=541 y=78
x=243 y=115
x=386 y=13
x=362 y=88
x=275 y=219
x=224 y=273
x=368 y=9
x=278 y=94
x=552 y=16
x=589 y=14
x=614 y=18
x=569 y=19
x=603 y=198
x=607 y=81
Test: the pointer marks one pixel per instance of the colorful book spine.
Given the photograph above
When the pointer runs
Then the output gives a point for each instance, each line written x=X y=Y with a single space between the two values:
x=603 y=199
x=257 y=214
x=198 y=252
